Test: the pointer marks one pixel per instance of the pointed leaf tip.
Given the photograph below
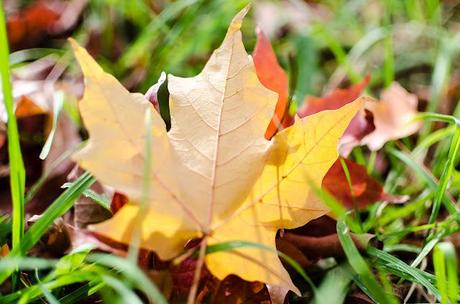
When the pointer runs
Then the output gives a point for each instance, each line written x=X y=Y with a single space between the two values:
x=238 y=19
x=73 y=43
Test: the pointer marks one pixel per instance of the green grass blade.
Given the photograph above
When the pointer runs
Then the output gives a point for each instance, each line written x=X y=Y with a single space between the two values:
x=373 y=289
x=388 y=63
x=126 y=294
x=131 y=272
x=334 y=287
x=80 y=293
x=429 y=180
x=403 y=211
x=17 y=171
x=45 y=291
x=58 y=104
x=446 y=174
x=144 y=41
x=61 y=205
x=445 y=265
x=398 y=267
x=433 y=138
x=338 y=51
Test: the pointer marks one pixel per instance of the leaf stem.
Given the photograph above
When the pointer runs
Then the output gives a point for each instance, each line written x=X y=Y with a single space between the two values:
x=196 y=276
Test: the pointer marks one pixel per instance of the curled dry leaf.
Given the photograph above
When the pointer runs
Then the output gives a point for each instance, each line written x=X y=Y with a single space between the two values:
x=152 y=92
x=316 y=240
x=213 y=175
x=393 y=117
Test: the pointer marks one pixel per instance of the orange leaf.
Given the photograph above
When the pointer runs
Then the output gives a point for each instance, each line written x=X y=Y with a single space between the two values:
x=273 y=77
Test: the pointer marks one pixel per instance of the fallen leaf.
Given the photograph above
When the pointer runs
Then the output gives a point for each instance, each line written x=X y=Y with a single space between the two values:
x=318 y=239
x=213 y=175
x=361 y=125
x=42 y=19
x=273 y=77
x=55 y=243
x=334 y=100
x=393 y=117
x=31 y=25
x=364 y=190
x=316 y=248
x=182 y=277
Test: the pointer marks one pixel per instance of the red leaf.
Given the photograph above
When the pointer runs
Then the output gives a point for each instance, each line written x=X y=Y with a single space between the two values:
x=31 y=25
x=334 y=100
x=273 y=77
x=364 y=190
x=182 y=277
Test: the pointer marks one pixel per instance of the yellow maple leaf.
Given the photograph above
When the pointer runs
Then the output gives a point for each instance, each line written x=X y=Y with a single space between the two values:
x=213 y=175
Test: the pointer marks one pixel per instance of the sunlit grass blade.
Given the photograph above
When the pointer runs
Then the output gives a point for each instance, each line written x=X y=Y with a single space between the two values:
x=34 y=291
x=46 y=293
x=388 y=63
x=398 y=267
x=403 y=211
x=445 y=265
x=16 y=164
x=126 y=294
x=80 y=293
x=22 y=56
x=446 y=174
x=58 y=104
x=25 y=263
x=433 y=138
